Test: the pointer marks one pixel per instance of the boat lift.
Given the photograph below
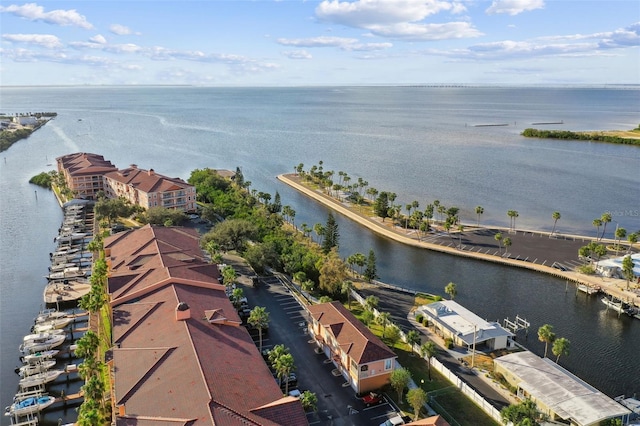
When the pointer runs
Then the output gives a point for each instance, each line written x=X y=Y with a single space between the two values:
x=517 y=325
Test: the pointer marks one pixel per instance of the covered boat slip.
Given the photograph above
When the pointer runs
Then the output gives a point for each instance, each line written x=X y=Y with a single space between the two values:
x=556 y=391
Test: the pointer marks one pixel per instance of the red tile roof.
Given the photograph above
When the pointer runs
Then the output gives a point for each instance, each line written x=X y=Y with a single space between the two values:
x=147 y=180
x=83 y=163
x=352 y=336
x=198 y=371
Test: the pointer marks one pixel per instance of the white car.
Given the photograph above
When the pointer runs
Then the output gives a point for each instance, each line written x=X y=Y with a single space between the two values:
x=393 y=421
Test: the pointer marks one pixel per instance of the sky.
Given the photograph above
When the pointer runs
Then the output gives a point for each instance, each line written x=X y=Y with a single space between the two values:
x=309 y=43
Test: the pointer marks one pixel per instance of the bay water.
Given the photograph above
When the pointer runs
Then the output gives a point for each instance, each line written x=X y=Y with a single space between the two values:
x=460 y=145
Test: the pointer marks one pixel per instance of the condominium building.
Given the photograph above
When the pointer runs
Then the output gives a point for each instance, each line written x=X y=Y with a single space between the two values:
x=148 y=189
x=362 y=358
x=84 y=173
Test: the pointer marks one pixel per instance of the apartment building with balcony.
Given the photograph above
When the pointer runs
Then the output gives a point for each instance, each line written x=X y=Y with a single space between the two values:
x=362 y=358
x=148 y=189
x=84 y=173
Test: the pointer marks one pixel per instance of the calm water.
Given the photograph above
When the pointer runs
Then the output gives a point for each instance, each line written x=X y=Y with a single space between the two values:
x=420 y=143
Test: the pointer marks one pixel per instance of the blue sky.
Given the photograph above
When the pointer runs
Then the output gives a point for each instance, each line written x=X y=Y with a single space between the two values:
x=331 y=42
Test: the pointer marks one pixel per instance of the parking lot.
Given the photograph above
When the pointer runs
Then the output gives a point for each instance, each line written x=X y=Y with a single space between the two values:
x=337 y=402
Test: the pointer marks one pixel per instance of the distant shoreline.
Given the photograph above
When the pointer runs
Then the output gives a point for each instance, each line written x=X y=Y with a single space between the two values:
x=611 y=287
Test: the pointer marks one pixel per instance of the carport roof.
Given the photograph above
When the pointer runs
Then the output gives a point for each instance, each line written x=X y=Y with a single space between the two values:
x=567 y=395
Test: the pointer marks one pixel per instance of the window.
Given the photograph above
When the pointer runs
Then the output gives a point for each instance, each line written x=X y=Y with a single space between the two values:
x=387 y=364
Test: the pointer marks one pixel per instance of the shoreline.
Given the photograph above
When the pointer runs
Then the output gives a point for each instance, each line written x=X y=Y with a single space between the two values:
x=609 y=286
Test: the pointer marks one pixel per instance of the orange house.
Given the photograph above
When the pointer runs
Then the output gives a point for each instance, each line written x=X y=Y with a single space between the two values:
x=362 y=358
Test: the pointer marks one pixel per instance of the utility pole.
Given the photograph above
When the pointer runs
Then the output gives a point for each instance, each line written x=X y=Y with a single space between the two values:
x=473 y=354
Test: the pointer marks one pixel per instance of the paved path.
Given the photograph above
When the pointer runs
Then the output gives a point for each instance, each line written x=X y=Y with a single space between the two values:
x=533 y=250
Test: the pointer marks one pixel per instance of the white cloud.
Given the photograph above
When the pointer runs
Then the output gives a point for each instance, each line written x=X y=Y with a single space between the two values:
x=365 y=13
x=33 y=12
x=98 y=39
x=348 y=44
x=398 y=18
x=514 y=7
x=44 y=40
x=322 y=41
x=297 y=54
x=121 y=30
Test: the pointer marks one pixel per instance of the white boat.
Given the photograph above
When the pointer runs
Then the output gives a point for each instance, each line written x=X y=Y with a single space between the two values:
x=39 y=378
x=618 y=307
x=39 y=345
x=55 y=324
x=588 y=289
x=30 y=369
x=43 y=335
x=37 y=357
x=29 y=405
x=50 y=314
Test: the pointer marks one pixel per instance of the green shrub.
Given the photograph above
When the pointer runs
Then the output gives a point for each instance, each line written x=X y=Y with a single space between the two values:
x=448 y=343
x=419 y=318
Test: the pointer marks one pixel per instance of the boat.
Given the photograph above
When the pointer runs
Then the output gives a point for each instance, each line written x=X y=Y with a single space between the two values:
x=29 y=405
x=50 y=314
x=43 y=335
x=619 y=307
x=39 y=367
x=45 y=344
x=54 y=324
x=39 y=378
x=37 y=357
x=633 y=312
x=588 y=289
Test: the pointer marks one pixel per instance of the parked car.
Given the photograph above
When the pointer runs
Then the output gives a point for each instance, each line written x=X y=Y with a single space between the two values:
x=291 y=381
x=393 y=421
x=372 y=398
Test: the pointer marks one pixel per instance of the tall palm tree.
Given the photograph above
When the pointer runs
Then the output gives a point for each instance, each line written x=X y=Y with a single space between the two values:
x=507 y=244
x=632 y=238
x=347 y=287
x=229 y=276
x=546 y=335
x=560 y=347
x=429 y=350
x=259 y=318
x=284 y=365
x=605 y=218
x=597 y=223
x=460 y=231
x=383 y=320
x=556 y=217
x=413 y=338
x=627 y=269
x=498 y=238
x=371 y=302
x=620 y=234
x=479 y=212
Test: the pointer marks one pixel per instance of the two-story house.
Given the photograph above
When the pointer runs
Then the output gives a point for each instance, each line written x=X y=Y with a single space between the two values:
x=363 y=359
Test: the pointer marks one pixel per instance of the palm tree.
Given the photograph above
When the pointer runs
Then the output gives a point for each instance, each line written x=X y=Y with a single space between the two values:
x=460 y=231
x=347 y=287
x=632 y=238
x=371 y=302
x=229 y=276
x=277 y=352
x=383 y=320
x=605 y=218
x=319 y=230
x=236 y=296
x=597 y=223
x=87 y=345
x=620 y=234
x=284 y=365
x=429 y=350
x=309 y=401
x=259 y=318
x=556 y=217
x=560 y=347
x=451 y=290
x=507 y=244
x=498 y=238
x=546 y=335
x=627 y=269
x=513 y=214
x=479 y=212
x=413 y=338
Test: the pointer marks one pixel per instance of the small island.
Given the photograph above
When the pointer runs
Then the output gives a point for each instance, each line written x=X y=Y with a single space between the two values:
x=21 y=125
x=626 y=137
